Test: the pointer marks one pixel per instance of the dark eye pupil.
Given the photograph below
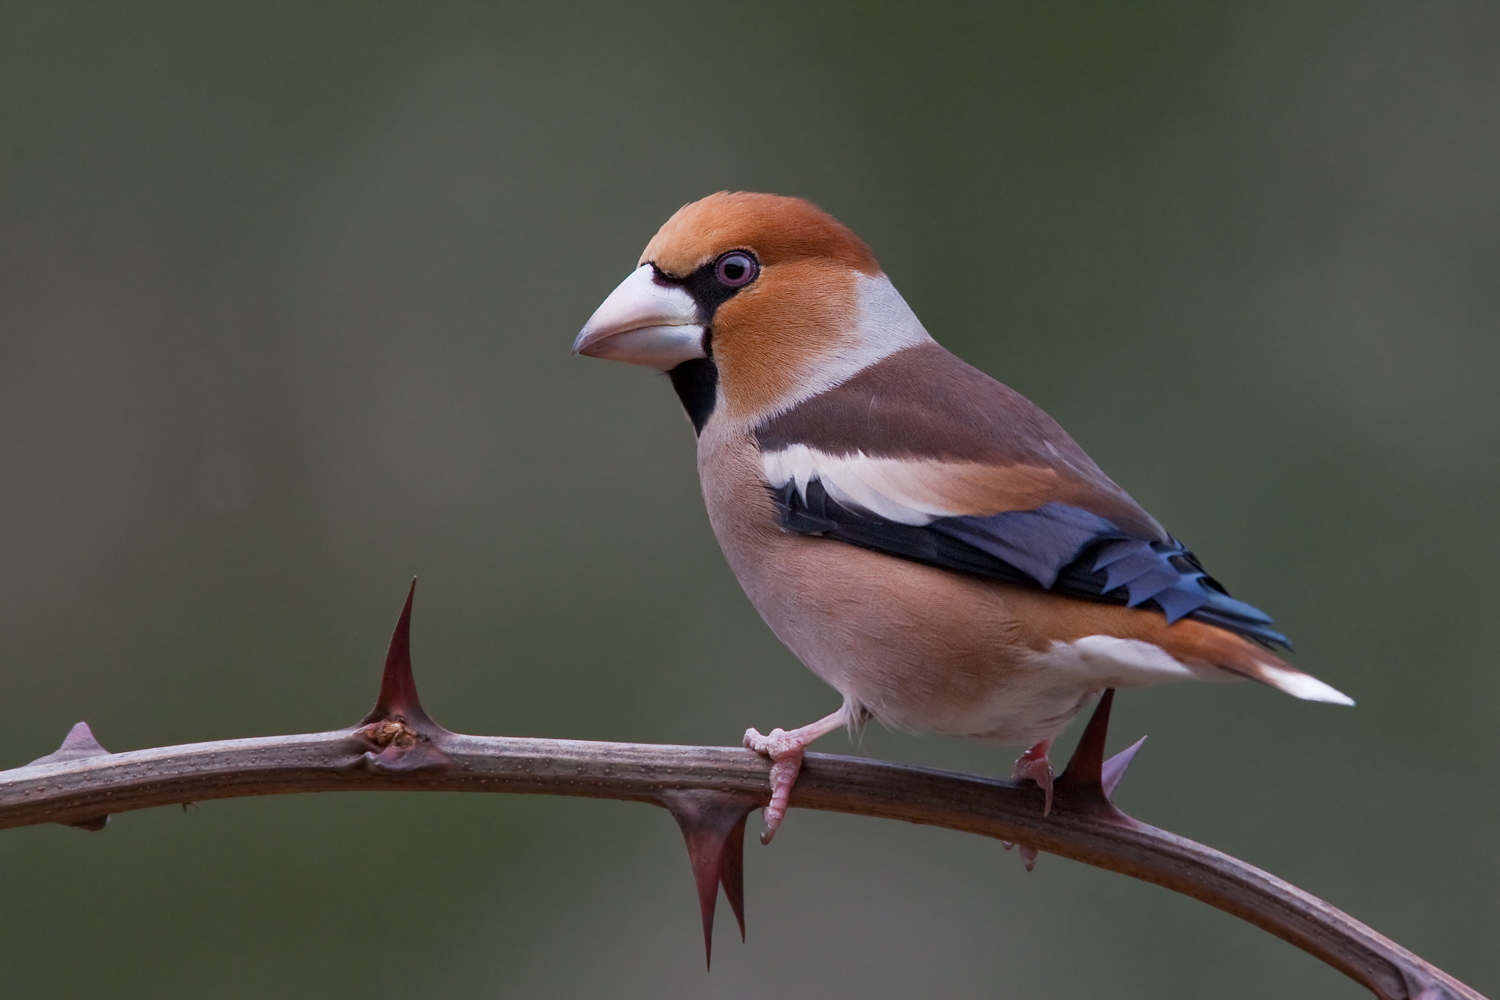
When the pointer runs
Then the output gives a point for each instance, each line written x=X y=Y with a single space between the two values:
x=735 y=269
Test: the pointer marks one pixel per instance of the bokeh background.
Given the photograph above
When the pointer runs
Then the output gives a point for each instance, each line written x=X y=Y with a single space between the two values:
x=286 y=296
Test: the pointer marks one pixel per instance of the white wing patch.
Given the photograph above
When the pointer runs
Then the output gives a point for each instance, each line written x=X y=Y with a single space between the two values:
x=912 y=491
x=893 y=488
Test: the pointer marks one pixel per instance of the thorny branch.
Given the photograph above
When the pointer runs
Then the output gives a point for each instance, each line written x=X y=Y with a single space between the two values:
x=710 y=791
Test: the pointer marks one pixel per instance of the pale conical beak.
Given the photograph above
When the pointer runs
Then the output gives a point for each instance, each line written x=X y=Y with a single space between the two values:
x=644 y=321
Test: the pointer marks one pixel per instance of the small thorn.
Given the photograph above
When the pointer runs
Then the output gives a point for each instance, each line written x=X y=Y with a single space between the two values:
x=1114 y=769
x=78 y=744
x=93 y=824
x=713 y=826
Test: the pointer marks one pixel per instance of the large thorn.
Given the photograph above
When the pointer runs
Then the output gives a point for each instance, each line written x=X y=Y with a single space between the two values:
x=398 y=726
x=398 y=689
x=78 y=744
x=1088 y=780
x=1085 y=767
x=713 y=825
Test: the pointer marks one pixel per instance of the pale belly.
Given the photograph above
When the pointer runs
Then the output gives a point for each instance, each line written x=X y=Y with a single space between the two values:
x=916 y=647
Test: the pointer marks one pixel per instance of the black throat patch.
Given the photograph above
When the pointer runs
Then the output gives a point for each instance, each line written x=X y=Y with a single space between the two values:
x=697 y=385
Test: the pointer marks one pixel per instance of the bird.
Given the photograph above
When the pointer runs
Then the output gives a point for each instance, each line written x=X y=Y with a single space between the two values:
x=925 y=539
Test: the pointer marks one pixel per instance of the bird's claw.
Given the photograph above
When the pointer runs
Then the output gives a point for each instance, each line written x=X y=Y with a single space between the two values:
x=1034 y=765
x=785 y=751
x=1028 y=854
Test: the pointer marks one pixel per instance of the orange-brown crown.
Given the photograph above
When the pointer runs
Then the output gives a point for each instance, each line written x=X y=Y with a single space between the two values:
x=776 y=228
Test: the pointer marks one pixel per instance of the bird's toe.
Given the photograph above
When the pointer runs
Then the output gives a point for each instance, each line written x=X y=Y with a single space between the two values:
x=1033 y=765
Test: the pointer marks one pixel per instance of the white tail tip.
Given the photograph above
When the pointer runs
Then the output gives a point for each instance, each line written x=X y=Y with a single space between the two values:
x=1300 y=685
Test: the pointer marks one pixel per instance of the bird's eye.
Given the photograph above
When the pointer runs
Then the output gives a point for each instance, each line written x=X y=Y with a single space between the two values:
x=736 y=268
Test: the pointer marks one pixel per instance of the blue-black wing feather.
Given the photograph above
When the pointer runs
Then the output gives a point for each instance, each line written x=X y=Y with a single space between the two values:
x=1057 y=547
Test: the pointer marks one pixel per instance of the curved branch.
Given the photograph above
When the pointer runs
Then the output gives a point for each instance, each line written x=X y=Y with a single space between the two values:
x=709 y=790
x=80 y=790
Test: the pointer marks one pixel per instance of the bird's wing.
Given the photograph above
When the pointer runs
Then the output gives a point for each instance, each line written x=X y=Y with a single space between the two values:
x=922 y=457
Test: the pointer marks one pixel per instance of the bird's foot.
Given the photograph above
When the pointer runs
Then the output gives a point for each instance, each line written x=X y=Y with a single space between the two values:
x=785 y=750
x=1028 y=854
x=1033 y=764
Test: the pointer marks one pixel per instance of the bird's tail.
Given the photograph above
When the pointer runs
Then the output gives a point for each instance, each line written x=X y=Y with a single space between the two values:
x=1247 y=659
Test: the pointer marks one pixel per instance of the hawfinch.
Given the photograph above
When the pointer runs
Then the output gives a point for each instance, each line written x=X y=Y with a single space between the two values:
x=925 y=539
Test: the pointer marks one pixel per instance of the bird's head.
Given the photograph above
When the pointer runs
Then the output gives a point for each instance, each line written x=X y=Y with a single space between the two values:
x=752 y=302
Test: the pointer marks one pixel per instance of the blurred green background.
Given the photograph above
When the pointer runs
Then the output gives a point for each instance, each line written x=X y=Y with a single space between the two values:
x=286 y=297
